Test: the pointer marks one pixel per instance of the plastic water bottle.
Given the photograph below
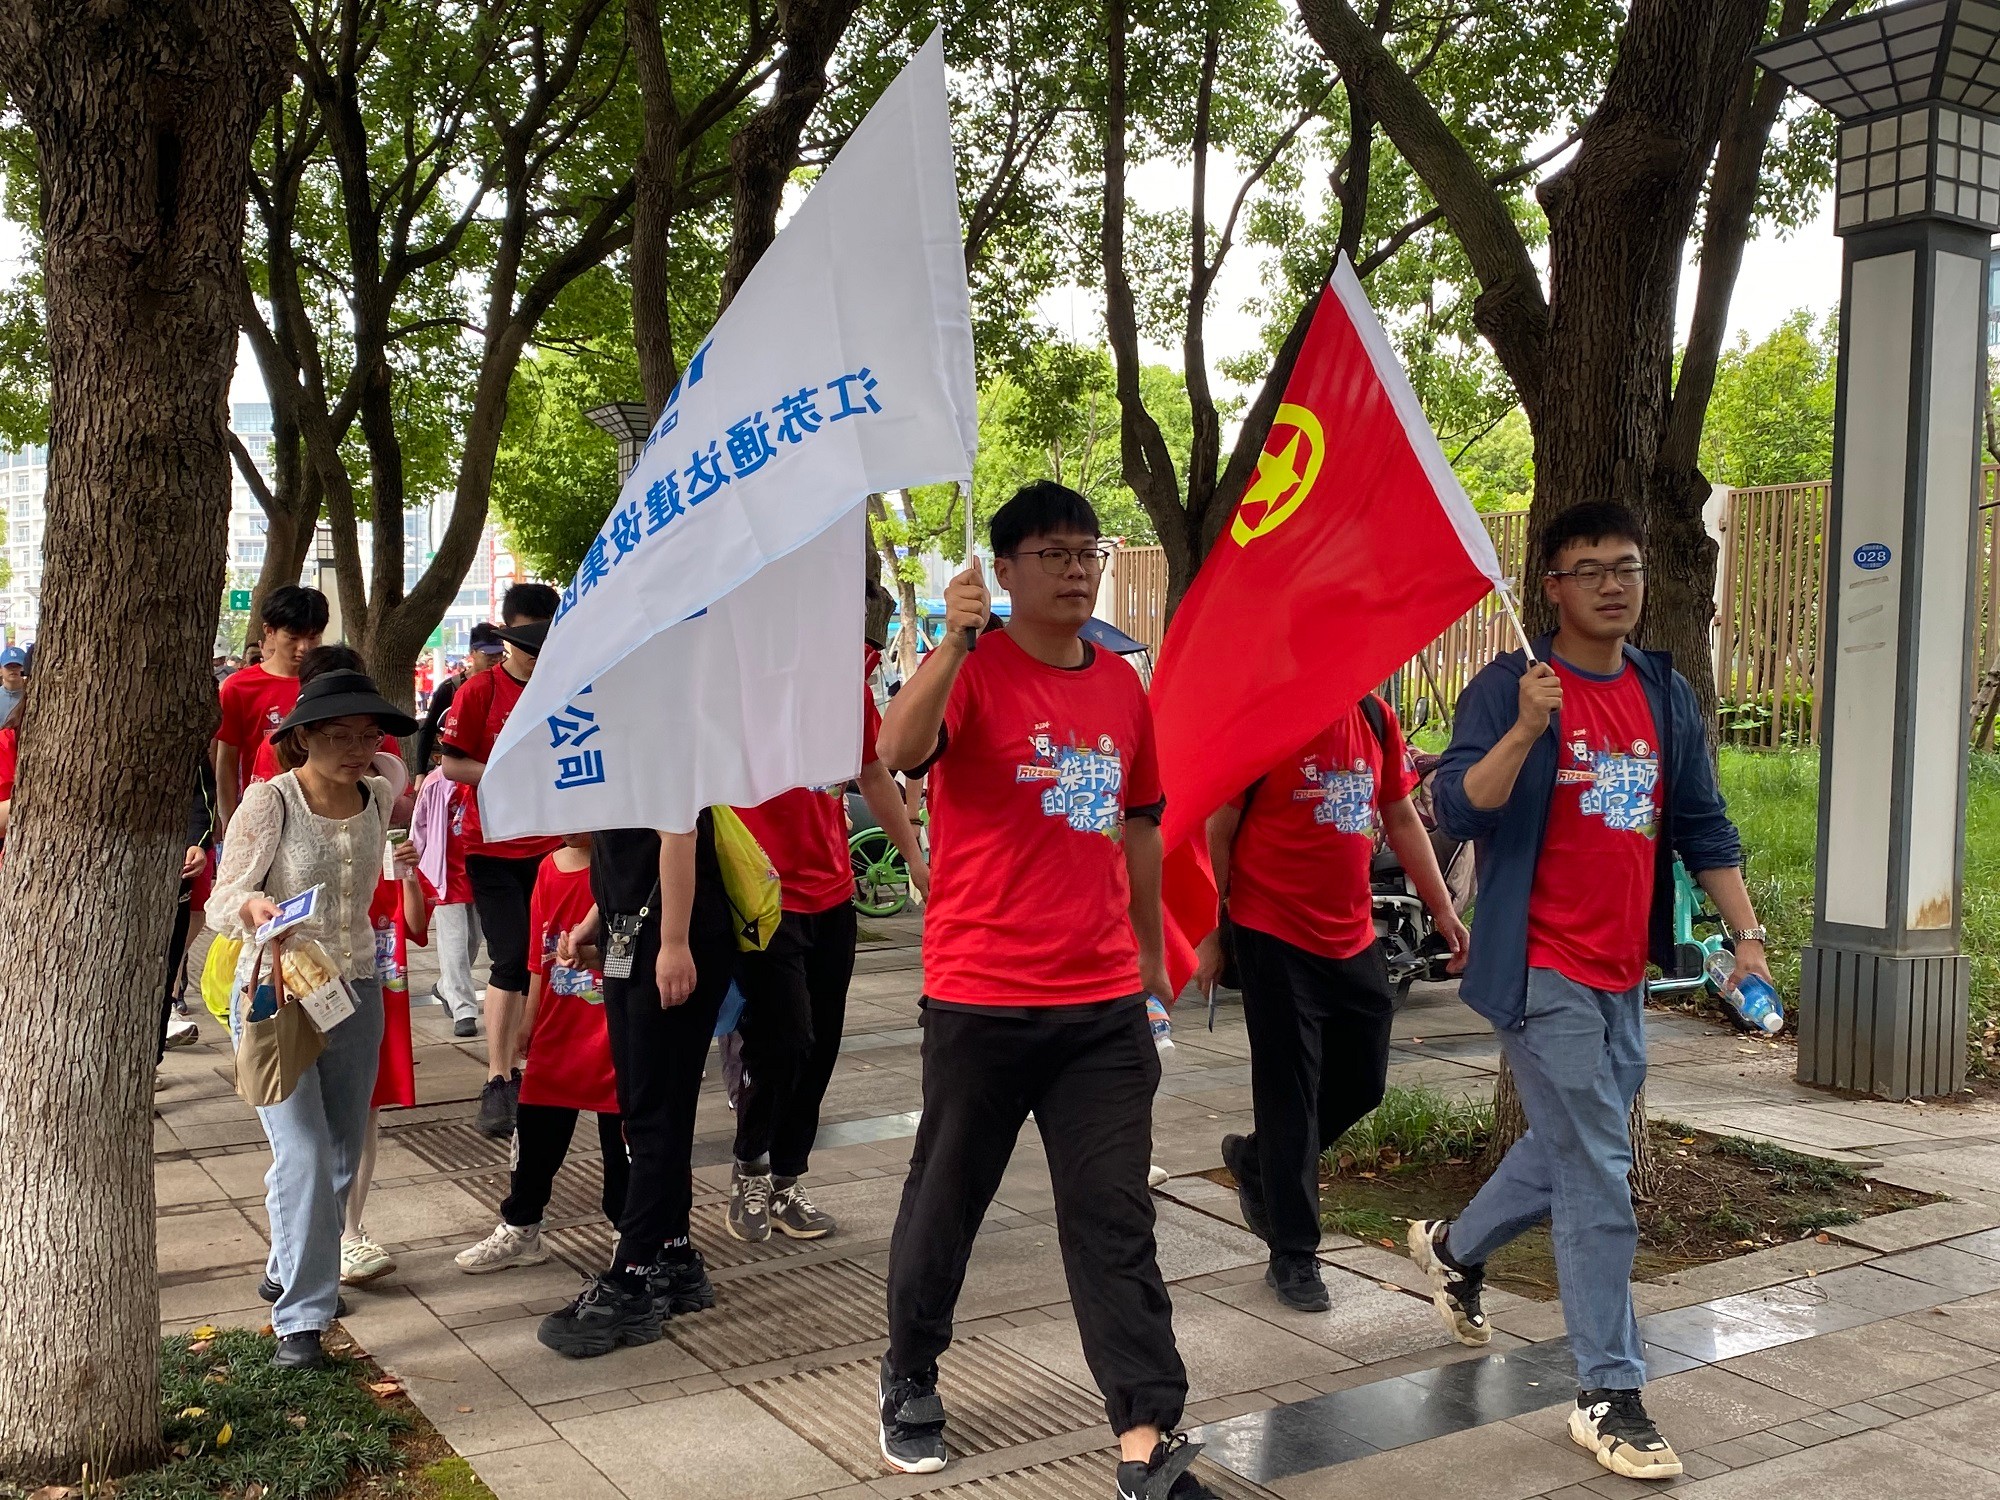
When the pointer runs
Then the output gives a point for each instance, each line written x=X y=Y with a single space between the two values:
x=1163 y=1029
x=1753 y=999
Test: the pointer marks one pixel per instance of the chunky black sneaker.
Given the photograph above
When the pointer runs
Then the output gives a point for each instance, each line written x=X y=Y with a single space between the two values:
x=603 y=1317
x=1614 y=1426
x=1164 y=1476
x=270 y=1291
x=1297 y=1281
x=299 y=1351
x=912 y=1420
x=1239 y=1154
x=794 y=1215
x=749 y=1216
x=1455 y=1289
x=681 y=1286
x=496 y=1109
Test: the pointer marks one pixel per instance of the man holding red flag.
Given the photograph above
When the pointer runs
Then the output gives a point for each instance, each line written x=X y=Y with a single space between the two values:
x=1041 y=942
x=1292 y=855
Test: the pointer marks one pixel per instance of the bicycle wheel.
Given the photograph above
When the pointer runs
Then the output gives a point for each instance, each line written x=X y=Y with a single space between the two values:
x=881 y=879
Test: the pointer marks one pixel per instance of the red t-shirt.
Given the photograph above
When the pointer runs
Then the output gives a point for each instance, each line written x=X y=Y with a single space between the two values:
x=804 y=831
x=1029 y=896
x=264 y=766
x=1299 y=869
x=569 y=1052
x=254 y=702
x=477 y=714
x=1593 y=893
x=10 y=750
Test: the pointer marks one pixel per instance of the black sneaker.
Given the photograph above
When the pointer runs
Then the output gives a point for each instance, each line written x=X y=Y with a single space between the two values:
x=1239 y=1154
x=1455 y=1289
x=270 y=1291
x=1297 y=1281
x=1164 y=1476
x=1614 y=1426
x=299 y=1351
x=603 y=1317
x=912 y=1420
x=681 y=1286
x=465 y=1026
x=496 y=1109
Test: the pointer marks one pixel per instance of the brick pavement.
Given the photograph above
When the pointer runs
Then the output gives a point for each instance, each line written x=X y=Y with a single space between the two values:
x=1867 y=1363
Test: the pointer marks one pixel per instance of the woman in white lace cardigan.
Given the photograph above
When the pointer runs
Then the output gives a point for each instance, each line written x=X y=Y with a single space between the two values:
x=323 y=822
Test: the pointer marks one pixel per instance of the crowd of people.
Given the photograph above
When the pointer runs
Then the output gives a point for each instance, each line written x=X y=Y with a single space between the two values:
x=1581 y=769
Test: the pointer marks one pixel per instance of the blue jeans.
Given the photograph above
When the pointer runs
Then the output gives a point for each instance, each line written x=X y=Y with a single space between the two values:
x=1579 y=1060
x=316 y=1137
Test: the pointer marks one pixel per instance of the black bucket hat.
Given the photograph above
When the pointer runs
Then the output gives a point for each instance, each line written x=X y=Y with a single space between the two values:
x=340 y=695
x=528 y=635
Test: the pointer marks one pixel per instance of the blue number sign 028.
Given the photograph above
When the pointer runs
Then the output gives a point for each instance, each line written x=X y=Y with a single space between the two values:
x=1871 y=555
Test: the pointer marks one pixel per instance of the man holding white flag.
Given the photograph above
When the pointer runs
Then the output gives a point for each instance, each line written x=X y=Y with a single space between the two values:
x=706 y=651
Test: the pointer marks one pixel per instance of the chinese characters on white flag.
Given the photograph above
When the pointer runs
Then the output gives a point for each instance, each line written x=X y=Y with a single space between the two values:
x=709 y=648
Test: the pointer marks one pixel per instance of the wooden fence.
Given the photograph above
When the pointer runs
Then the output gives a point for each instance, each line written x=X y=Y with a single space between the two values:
x=1769 y=581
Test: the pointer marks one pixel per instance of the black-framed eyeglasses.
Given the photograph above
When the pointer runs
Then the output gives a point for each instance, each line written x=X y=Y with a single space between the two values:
x=1592 y=574
x=1056 y=560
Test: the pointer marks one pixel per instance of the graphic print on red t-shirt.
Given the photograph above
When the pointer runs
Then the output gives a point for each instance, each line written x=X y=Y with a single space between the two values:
x=254 y=702
x=804 y=831
x=1593 y=891
x=1029 y=896
x=1299 y=868
x=569 y=1052
x=477 y=714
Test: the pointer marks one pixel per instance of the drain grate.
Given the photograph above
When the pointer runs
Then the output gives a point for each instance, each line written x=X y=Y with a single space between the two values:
x=997 y=1400
x=585 y=1247
x=785 y=1312
x=1086 y=1477
x=452 y=1146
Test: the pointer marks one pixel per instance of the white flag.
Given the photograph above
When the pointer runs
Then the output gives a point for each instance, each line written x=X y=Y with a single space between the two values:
x=709 y=649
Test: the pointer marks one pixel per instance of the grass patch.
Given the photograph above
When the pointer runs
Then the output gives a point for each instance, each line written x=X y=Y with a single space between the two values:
x=1421 y=1156
x=1413 y=1127
x=1791 y=1172
x=1774 y=798
x=452 y=1479
x=231 y=1421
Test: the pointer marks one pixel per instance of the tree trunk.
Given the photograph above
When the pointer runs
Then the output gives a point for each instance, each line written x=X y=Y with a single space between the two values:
x=143 y=116
x=653 y=206
x=1510 y=1123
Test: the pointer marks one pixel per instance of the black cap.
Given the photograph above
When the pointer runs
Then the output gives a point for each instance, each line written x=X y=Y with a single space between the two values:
x=340 y=695
x=528 y=635
x=486 y=638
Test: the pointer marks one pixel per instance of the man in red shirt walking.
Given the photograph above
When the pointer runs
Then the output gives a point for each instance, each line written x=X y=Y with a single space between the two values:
x=502 y=873
x=1583 y=772
x=796 y=989
x=1041 y=942
x=256 y=699
x=1292 y=857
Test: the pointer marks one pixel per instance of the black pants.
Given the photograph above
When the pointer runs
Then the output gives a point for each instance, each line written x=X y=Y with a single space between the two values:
x=1319 y=1056
x=501 y=890
x=796 y=1003
x=1090 y=1084
x=542 y=1134
x=658 y=1054
x=176 y=951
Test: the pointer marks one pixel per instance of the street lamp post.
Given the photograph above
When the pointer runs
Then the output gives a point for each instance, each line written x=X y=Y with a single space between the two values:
x=626 y=421
x=1916 y=86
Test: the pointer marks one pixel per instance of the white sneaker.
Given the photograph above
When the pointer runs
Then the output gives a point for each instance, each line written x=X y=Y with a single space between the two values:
x=183 y=1034
x=1156 y=1176
x=361 y=1259
x=506 y=1246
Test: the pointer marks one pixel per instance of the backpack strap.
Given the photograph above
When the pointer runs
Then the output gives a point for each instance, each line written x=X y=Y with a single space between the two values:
x=1377 y=714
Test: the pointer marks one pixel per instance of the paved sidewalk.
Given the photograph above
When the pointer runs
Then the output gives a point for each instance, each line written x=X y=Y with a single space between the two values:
x=1864 y=1366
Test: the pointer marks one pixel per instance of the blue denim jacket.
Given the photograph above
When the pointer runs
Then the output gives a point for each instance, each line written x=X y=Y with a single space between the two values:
x=1508 y=839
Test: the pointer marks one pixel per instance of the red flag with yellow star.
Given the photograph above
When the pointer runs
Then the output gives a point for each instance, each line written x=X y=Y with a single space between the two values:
x=1352 y=548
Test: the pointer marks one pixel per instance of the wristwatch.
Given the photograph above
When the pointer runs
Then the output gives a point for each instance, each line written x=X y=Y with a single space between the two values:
x=1750 y=935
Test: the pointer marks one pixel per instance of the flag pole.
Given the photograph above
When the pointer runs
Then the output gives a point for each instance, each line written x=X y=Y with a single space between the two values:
x=965 y=495
x=1506 y=592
